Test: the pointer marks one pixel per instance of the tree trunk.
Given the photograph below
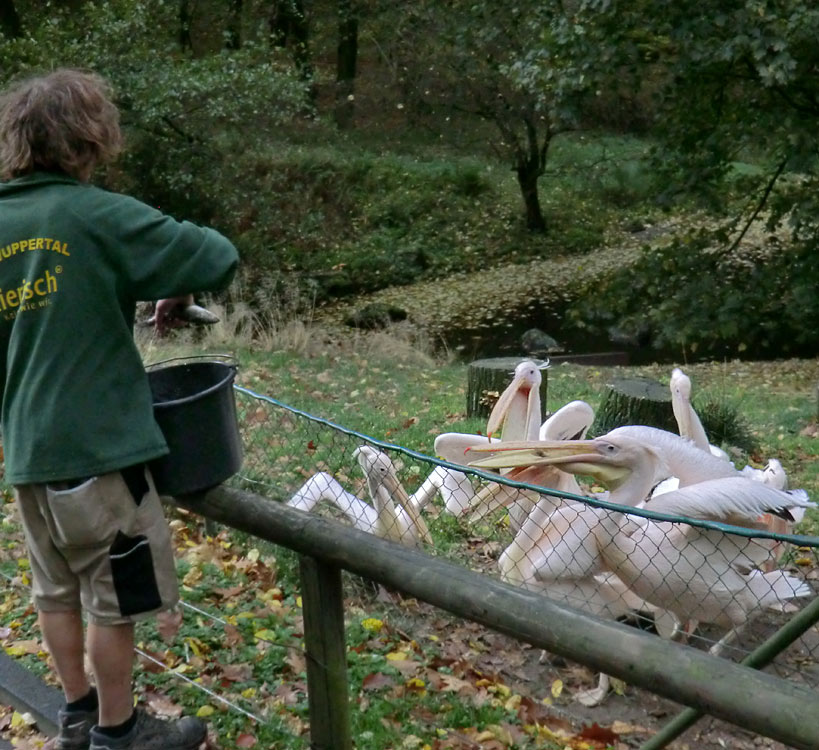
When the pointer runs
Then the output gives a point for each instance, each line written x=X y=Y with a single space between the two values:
x=9 y=20
x=528 y=172
x=641 y=401
x=233 y=39
x=185 y=41
x=288 y=27
x=346 y=63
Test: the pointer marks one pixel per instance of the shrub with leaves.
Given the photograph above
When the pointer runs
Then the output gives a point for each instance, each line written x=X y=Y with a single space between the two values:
x=185 y=118
x=757 y=300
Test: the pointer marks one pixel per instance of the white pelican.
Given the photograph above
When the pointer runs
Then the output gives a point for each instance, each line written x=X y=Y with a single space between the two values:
x=515 y=416
x=391 y=516
x=690 y=426
x=682 y=459
x=695 y=573
x=773 y=474
x=555 y=551
x=688 y=422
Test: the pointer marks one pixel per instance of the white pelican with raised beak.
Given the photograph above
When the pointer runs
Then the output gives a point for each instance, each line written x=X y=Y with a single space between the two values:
x=688 y=421
x=515 y=416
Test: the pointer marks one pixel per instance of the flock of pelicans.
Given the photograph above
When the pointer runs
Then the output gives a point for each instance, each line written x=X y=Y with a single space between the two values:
x=610 y=564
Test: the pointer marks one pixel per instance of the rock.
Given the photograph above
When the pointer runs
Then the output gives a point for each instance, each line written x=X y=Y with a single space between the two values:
x=375 y=315
x=538 y=343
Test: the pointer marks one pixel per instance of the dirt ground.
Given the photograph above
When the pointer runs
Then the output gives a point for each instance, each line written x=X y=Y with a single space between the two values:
x=637 y=713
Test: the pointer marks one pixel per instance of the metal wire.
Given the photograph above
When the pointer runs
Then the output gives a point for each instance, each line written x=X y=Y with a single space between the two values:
x=312 y=461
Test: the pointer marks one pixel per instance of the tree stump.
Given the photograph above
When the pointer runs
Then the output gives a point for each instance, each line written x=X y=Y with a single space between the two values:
x=487 y=379
x=635 y=401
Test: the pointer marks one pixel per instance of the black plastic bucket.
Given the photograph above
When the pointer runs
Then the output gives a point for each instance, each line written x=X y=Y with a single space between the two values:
x=195 y=407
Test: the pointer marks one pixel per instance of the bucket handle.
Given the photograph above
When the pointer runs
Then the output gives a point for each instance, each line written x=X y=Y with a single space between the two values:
x=196 y=396
x=230 y=360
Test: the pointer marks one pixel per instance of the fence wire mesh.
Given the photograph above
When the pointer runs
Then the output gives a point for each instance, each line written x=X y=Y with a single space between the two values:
x=702 y=580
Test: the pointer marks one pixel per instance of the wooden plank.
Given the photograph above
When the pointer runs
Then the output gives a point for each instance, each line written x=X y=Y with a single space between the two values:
x=327 y=695
x=756 y=701
x=27 y=693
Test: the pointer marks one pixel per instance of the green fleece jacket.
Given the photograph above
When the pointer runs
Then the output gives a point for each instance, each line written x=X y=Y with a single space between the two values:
x=74 y=260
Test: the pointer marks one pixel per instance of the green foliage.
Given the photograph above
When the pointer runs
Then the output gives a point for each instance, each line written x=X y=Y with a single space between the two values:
x=725 y=425
x=728 y=97
x=691 y=296
x=175 y=108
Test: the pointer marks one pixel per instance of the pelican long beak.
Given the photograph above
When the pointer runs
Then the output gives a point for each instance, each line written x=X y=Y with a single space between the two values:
x=502 y=411
x=509 y=454
x=573 y=456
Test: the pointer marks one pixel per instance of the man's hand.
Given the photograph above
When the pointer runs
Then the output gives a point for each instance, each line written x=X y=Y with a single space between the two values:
x=163 y=311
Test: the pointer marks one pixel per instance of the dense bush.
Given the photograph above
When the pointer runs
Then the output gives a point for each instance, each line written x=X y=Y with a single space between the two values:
x=694 y=296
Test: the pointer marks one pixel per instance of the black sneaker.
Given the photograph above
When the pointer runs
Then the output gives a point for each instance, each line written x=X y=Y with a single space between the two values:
x=151 y=733
x=75 y=729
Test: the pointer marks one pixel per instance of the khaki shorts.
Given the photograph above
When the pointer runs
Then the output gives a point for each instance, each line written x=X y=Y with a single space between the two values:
x=101 y=544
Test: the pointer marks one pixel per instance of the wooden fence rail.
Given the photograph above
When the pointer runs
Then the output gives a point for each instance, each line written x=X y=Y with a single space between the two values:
x=754 y=700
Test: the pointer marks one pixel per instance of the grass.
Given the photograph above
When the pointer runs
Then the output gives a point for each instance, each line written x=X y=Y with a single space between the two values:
x=417 y=679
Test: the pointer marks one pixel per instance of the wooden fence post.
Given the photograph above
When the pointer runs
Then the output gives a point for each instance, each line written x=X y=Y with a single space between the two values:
x=327 y=696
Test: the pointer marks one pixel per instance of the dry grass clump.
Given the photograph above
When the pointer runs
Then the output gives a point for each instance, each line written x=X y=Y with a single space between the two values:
x=287 y=329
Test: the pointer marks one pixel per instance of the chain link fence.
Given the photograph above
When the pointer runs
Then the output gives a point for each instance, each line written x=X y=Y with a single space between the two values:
x=699 y=580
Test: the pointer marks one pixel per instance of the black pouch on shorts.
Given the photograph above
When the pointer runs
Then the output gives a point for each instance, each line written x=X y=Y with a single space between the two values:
x=132 y=567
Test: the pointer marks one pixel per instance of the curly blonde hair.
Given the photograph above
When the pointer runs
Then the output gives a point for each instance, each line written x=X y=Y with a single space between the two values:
x=63 y=121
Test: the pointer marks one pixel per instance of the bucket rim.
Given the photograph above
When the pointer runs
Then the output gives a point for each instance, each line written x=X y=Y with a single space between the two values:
x=229 y=376
x=229 y=359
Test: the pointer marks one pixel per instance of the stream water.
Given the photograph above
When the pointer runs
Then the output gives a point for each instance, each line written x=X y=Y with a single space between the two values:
x=505 y=341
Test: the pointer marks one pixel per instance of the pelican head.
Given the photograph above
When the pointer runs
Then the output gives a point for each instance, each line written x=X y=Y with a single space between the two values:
x=517 y=411
x=385 y=490
x=374 y=463
x=680 y=383
x=618 y=462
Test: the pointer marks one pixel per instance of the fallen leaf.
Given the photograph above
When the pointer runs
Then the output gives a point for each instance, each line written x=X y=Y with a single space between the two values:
x=296 y=661
x=621 y=727
x=237 y=672
x=596 y=733
x=376 y=681
x=163 y=706
x=168 y=623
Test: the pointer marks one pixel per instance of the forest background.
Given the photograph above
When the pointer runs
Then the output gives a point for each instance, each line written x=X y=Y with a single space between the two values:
x=348 y=146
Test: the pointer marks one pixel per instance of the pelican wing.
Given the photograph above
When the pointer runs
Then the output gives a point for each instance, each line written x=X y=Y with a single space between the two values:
x=570 y=422
x=738 y=501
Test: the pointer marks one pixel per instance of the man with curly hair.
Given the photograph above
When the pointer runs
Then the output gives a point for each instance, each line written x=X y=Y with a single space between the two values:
x=77 y=415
